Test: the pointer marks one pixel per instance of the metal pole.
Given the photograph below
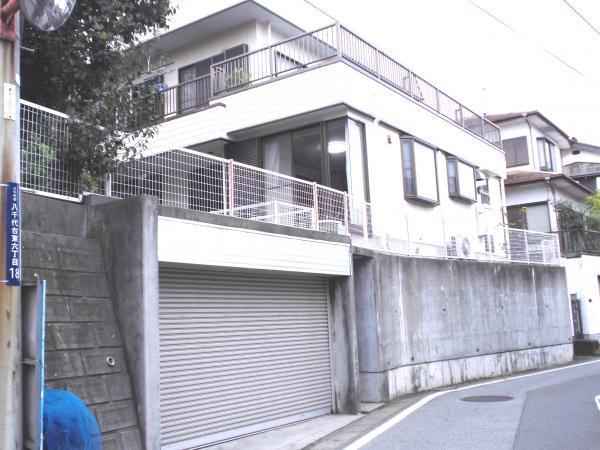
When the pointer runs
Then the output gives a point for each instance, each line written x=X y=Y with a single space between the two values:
x=10 y=296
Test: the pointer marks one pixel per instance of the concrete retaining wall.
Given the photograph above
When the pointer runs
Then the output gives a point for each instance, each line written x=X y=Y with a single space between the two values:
x=82 y=329
x=424 y=323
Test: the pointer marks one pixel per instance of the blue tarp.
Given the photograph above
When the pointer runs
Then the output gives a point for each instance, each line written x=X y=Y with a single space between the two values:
x=68 y=424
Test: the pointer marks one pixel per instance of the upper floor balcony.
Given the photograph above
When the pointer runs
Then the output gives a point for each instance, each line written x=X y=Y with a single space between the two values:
x=328 y=45
x=579 y=242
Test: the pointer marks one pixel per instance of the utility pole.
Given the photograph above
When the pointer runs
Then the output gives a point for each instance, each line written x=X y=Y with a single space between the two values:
x=10 y=293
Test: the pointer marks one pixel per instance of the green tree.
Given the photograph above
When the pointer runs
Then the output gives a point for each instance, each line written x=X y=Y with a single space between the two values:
x=87 y=70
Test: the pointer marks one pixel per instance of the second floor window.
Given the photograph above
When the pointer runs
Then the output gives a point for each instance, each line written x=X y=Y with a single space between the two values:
x=461 y=180
x=515 y=151
x=545 y=154
x=419 y=172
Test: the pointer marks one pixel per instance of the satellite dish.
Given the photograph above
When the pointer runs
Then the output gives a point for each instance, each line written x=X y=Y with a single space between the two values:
x=47 y=15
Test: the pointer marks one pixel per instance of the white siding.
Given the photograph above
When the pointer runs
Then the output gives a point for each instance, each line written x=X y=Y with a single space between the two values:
x=189 y=242
x=582 y=279
x=322 y=87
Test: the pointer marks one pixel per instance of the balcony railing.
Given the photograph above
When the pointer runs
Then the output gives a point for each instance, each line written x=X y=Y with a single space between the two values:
x=328 y=44
x=188 y=179
x=578 y=242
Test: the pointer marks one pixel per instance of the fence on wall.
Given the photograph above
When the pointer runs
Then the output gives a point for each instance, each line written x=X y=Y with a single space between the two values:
x=192 y=180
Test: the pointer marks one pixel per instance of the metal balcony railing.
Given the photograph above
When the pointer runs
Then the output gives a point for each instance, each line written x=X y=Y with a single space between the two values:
x=327 y=44
x=192 y=180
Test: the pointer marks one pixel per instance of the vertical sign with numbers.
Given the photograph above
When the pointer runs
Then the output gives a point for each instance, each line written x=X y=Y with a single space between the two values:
x=13 y=234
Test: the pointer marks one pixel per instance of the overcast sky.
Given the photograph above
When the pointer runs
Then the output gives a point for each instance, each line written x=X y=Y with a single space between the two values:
x=494 y=56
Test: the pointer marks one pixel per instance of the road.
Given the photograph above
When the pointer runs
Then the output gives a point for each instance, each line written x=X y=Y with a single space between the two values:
x=548 y=410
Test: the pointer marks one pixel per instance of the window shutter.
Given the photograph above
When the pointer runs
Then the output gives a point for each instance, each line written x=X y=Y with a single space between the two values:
x=515 y=151
x=245 y=152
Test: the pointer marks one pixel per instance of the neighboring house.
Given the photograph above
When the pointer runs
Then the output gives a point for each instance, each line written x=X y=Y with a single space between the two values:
x=376 y=262
x=582 y=163
x=545 y=169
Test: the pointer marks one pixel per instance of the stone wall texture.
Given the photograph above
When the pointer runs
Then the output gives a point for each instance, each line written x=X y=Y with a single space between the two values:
x=84 y=351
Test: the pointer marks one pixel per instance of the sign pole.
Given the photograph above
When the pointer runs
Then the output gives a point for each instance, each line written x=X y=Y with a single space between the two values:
x=10 y=294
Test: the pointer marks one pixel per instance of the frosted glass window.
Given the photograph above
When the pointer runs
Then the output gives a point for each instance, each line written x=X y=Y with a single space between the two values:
x=538 y=218
x=426 y=182
x=466 y=180
x=461 y=180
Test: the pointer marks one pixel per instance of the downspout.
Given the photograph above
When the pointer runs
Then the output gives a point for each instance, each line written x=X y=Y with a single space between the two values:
x=531 y=141
x=552 y=201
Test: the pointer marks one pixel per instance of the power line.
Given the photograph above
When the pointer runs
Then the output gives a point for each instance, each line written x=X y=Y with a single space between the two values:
x=581 y=16
x=519 y=33
x=320 y=10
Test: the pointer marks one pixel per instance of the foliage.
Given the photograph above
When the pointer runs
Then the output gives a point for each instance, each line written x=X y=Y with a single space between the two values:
x=86 y=69
x=594 y=201
x=572 y=216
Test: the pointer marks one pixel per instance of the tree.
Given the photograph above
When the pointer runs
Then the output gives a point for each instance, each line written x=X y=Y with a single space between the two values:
x=87 y=69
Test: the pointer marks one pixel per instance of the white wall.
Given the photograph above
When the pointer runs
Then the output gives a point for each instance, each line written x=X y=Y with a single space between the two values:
x=582 y=279
x=190 y=242
x=316 y=89
x=583 y=156
x=338 y=83
x=519 y=127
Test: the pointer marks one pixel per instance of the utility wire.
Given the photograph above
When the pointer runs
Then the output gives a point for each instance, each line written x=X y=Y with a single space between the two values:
x=320 y=10
x=519 y=33
x=581 y=16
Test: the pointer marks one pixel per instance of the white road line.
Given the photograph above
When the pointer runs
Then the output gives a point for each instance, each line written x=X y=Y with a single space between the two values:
x=359 y=443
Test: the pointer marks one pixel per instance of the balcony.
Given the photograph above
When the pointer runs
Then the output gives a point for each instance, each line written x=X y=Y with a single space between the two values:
x=326 y=45
x=196 y=181
x=574 y=243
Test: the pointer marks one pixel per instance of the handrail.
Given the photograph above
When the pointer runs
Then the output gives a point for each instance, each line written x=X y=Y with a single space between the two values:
x=370 y=60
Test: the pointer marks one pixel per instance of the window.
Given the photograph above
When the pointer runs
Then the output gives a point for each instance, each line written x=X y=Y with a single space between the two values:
x=515 y=151
x=545 y=154
x=193 y=94
x=419 y=172
x=461 y=180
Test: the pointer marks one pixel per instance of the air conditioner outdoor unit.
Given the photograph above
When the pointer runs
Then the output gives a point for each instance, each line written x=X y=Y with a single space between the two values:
x=459 y=246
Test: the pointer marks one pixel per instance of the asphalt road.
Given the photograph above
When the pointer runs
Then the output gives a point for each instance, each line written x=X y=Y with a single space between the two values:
x=548 y=410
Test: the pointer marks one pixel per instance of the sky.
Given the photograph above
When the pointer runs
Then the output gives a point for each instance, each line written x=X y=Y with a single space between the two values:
x=494 y=56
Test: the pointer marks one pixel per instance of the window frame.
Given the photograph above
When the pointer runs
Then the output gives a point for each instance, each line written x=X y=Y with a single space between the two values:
x=548 y=147
x=458 y=195
x=414 y=196
x=325 y=169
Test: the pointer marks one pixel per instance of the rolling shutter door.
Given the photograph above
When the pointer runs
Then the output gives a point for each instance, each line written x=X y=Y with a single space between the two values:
x=239 y=353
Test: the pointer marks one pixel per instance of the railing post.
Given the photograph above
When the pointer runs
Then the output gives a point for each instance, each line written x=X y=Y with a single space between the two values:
x=338 y=39
x=225 y=182
x=346 y=221
x=365 y=222
x=437 y=100
x=271 y=62
x=108 y=185
x=231 y=187
x=483 y=128
x=462 y=116
x=315 y=207
x=526 y=245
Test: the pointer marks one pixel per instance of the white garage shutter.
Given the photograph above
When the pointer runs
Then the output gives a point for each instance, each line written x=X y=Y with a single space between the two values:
x=240 y=352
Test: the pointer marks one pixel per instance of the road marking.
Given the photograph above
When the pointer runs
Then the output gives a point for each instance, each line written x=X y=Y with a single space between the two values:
x=362 y=441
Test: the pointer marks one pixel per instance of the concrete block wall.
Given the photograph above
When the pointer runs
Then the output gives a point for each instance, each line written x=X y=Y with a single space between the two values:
x=84 y=350
x=424 y=323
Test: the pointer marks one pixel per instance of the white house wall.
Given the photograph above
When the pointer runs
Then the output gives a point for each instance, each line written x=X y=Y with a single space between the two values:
x=199 y=243
x=583 y=280
x=583 y=156
x=517 y=128
x=399 y=218
x=317 y=89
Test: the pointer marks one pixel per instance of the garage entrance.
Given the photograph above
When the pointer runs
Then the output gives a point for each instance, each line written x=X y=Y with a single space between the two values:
x=240 y=352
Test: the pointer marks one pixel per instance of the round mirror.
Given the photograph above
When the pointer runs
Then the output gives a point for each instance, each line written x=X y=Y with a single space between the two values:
x=47 y=15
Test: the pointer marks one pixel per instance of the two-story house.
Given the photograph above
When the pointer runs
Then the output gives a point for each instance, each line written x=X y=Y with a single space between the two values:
x=322 y=227
x=544 y=170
